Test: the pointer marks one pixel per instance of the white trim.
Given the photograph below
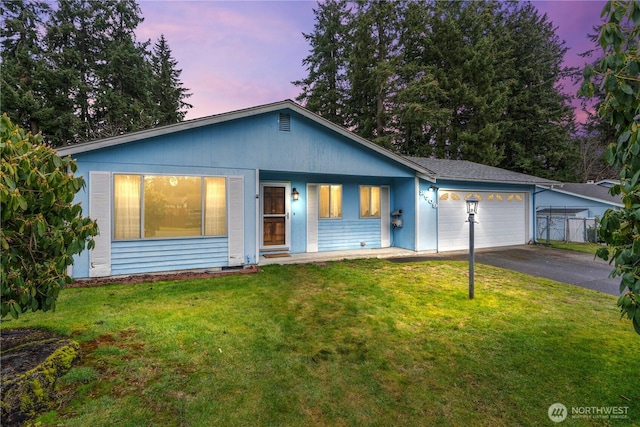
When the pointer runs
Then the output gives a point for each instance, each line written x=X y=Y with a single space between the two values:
x=257 y=222
x=385 y=216
x=235 y=220
x=286 y=215
x=416 y=201
x=312 y=217
x=100 y=210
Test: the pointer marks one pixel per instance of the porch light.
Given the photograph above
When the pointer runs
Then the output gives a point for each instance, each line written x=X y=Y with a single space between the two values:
x=294 y=194
x=472 y=207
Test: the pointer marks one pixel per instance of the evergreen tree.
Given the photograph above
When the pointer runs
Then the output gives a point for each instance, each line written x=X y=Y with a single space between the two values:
x=76 y=72
x=475 y=80
x=23 y=66
x=371 y=69
x=419 y=104
x=324 y=89
x=123 y=100
x=76 y=45
x=538 y=138
x=168 y=94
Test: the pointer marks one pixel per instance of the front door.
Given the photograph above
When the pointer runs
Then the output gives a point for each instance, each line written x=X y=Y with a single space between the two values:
x=276 y=223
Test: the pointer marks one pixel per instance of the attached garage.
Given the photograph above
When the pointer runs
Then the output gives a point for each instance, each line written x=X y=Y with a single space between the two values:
x=505 y=210
x=502 y=219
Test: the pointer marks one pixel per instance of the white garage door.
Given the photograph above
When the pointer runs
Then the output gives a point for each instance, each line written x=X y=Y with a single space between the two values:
x=502 y=219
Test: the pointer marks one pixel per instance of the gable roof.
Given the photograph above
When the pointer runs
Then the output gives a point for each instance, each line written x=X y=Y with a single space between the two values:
x=98 y=144
x=595 y=192
x=464 y=170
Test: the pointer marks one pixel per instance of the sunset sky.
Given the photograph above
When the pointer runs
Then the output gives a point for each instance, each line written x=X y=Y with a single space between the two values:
x=239 y=54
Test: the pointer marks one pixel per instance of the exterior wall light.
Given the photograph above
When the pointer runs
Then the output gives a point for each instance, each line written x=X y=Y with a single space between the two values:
x=294 y=194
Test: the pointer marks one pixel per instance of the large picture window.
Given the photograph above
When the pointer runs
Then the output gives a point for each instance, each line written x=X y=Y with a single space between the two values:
x=159 y=206
x=330 y=201
x=369 y=201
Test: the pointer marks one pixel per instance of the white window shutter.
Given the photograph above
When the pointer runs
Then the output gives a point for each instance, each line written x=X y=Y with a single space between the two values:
x=385 y=217
x=100 y=210
x=235 y=216
x=312 y=218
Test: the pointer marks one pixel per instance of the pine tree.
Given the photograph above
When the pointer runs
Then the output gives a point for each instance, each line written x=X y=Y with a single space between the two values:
x=538 y=139
x=371 y=69
x=123 y=102
x=419 y=102
x=75 y=49
x=23 y=67
x=324 y=89
x=168 y=94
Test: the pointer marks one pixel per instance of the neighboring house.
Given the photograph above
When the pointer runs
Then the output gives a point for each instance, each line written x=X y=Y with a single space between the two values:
x=569 y=211
x=224 y=190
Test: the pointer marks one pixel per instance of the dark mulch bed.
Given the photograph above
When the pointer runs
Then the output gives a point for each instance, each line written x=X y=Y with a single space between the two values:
x=161 y=277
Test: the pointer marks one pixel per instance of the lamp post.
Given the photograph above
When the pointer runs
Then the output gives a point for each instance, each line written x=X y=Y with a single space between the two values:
x=472 y=210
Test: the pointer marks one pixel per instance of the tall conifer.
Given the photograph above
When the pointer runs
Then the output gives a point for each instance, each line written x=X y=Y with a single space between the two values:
x=168 y=94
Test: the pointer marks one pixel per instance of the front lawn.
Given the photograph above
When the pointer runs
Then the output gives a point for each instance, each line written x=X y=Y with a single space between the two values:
x=352 y=343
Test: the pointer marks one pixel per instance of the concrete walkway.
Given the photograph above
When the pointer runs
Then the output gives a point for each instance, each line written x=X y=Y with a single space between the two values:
x=340 y=255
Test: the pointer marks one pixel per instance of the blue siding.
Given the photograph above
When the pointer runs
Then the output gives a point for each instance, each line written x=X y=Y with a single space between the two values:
x=427 y=217
x=254 y=148
x=146 y=256
x=347 y=234
x=254 y=143
x=546 y=199
x=404 y=198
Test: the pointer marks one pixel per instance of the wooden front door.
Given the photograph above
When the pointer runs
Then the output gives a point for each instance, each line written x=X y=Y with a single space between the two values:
x=275 y=216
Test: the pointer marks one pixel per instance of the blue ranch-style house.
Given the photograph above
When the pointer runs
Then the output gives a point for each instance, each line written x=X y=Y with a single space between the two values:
x=225 y=190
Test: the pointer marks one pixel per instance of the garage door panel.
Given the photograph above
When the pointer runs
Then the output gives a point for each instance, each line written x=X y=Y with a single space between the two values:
x=501 y=221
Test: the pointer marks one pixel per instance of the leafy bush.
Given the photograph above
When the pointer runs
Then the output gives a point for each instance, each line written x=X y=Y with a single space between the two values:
x=617 y=76
x=41 y=227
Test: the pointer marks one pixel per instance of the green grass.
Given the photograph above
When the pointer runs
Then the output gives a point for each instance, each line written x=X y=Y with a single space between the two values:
x=589 y=248
x=353 y=343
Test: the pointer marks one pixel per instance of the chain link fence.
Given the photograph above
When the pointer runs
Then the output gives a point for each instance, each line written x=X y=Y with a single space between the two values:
x=565 y=227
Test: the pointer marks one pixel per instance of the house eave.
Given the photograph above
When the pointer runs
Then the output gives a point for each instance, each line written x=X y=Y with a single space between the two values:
x=239 y=114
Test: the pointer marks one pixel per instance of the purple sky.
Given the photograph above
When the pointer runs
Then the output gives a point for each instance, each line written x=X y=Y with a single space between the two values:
x=239 y=54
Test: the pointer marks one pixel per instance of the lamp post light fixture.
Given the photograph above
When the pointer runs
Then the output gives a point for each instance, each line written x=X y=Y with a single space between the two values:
x=472 y=210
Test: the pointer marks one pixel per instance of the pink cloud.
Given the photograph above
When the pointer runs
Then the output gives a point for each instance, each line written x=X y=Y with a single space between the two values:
x=233 y=54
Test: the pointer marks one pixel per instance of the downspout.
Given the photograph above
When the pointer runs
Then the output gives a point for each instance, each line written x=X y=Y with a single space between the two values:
x=257 y=226
x=416 y=193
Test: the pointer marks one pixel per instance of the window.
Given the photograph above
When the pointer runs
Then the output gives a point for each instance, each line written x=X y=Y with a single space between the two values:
x=369 y=201
x=159 y=206
x=330 y=201
x=127 y=206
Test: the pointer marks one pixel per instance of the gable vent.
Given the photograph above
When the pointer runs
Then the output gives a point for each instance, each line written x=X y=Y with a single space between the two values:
x=284 y=123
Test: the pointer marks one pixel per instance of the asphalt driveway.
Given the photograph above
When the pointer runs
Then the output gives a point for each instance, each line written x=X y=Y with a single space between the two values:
x=570 y=267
